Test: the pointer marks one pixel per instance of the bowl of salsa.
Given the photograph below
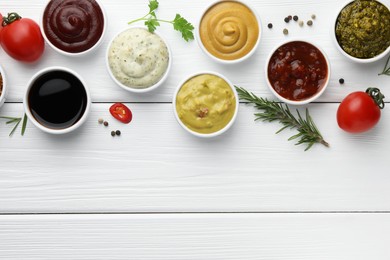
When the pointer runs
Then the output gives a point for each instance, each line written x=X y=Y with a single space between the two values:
x=362 y=30
x=297 y=72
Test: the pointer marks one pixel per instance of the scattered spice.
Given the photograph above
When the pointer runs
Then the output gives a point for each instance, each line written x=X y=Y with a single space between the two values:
x=285 y=31
x=100 y=121
x=286 y=19
x=313 y=16
x=112 y=133
x=105 y=123
x=301 y=23
x=310 y=22
x=117 y=132
x=289 y=17
x=341 y=81
x=295 y=17
x=270 y=25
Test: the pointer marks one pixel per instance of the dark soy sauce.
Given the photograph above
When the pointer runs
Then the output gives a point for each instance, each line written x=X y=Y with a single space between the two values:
x=57 y=99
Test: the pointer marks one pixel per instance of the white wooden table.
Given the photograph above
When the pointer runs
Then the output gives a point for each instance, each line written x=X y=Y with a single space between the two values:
x=158 y=193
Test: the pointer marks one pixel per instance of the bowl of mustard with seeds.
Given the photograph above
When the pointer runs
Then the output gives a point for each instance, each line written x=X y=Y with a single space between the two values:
x=362 y=30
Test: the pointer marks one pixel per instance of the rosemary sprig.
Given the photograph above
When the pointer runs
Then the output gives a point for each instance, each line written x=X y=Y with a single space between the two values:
x=386 y=69
x=308 y=133
x=179 y=23
x=16 y=121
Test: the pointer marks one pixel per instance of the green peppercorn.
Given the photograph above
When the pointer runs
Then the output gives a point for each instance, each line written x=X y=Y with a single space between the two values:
x=310 y=22
x=301 y=23
x=112 y=133
x=285 y=31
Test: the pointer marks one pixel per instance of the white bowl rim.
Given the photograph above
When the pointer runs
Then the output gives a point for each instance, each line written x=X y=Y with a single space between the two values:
x=225 y=128
x=358 y=60
x=235 y=61
x=76 y=54
x=47 y=129
x=139 y=90
x=304 y=101
x=4 y=90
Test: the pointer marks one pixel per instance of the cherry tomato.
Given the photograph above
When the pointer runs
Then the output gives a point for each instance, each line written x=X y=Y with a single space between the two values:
x=21 y=38
x=360 y=111
x=121 y=112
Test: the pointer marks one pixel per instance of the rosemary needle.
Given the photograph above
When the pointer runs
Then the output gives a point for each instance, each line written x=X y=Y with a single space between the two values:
x=386 y=69
x=308 y=132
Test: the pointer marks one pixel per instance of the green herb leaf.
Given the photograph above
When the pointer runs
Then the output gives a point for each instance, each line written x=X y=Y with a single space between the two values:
x=152 y=24
x=179 y=23
x=24 y=124
x=16 y=121
x=272 y=111
x=182 y=25
x=153 y=5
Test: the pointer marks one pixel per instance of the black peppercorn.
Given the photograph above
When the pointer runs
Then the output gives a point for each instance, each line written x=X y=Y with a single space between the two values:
x=286 y=19
x=117 y=132
x=341 y=81
x=295 y=18
x=270 y=25
x=105 y=123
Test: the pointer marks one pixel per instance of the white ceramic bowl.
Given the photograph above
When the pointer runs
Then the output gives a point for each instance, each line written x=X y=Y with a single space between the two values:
x=345 y=54
x=4 y=90
x=45 y=128
x=82 y=53
x=219 y=132
x=137 y=89
x=204 y=49
x=304 y=101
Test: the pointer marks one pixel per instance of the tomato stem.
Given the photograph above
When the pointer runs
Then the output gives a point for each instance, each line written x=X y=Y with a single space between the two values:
x=12 y=17
x=377 y=96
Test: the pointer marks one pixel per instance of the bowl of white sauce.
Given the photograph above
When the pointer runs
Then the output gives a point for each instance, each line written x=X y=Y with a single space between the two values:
x=138 y=60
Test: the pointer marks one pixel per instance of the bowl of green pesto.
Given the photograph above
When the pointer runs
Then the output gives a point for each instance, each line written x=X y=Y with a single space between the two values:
x=362 y=30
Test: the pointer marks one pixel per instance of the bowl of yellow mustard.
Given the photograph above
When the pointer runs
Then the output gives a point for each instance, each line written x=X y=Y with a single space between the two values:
x=206 y=104
x=229 y=31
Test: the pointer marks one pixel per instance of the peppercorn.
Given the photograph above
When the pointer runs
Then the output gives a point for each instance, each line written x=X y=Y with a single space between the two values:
x=105 y=123
x=313 y=16
x=295 y=17
x=286 y=19
x=117 y=132
x=289 y=17
x=310 y=22
x=100 y=120
x=341 y=81
x=301 y=23
x=285 y=31
x=270 y=25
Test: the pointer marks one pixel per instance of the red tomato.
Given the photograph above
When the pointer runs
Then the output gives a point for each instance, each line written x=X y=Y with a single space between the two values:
x=1 y=26
x=360 y=111
x=121 y=112
x=21 y=38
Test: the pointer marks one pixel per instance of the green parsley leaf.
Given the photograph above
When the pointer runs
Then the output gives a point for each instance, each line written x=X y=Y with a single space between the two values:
x=182 y=25
x=152 y=24
x=153 y=5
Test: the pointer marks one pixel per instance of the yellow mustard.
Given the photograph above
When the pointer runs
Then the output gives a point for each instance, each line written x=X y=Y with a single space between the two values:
x=205 y=103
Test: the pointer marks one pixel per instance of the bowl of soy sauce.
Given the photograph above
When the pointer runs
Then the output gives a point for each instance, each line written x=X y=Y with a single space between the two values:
x=57 y=100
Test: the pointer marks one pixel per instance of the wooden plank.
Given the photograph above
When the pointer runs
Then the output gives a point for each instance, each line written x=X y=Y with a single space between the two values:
x=155 y=166
x=196 y=236
x=189 y=59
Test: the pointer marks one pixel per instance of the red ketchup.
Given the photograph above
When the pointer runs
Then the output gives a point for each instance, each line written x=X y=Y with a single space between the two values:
x=297 y=70
x=73 y=25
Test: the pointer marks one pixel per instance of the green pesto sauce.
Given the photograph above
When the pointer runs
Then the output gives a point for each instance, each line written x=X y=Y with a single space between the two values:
x=363 y=28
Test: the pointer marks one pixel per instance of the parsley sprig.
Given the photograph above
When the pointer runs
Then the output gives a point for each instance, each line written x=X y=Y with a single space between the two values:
x=180 y=24
x=272 y=111
x=16 y=121
x=386 y=69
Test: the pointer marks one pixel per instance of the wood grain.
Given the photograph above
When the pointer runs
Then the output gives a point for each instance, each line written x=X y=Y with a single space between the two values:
x=196 y=236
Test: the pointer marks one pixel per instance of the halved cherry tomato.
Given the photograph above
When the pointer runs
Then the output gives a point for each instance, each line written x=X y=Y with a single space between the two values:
x=121 y=112
x=360 y=111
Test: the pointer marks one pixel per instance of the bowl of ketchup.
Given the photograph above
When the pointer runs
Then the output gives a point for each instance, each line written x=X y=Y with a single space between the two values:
x=297 y=72
x=73 y=27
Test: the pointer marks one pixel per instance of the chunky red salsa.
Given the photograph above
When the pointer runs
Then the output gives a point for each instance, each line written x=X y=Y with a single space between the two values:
x=297 y=70
x=73 y=25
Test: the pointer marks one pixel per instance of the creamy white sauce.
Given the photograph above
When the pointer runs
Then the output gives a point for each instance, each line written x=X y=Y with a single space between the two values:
x=138 y=58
